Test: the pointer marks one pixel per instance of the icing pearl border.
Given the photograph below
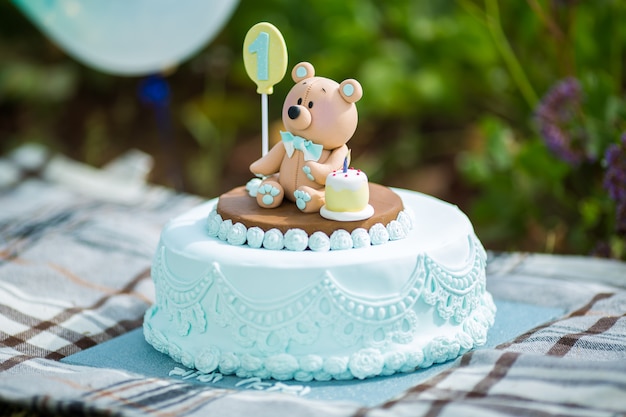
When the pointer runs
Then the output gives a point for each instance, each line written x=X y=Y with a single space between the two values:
x=298 y=240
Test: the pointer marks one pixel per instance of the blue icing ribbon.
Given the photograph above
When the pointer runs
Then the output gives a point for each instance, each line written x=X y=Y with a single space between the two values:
x=311 y=151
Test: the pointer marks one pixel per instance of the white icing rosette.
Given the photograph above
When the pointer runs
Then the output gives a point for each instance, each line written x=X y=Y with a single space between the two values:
x=186 y=359
x=255 y=237
x=378 y=234
x=406 y=219
x=214 y=221
x=396 y=230
x=252 y=186
x=237 y=234
x=336 y=365
x=225 y=227
x=296 y=240
x=273 y=240
x=360 y=238
x=413 y=359
x=340 y=240
x=311 y=363
x=229 y=363
x=251 y=366
x=393 y=362
x=319 y=242
x=366 y=362
x=208 y=359
x=465 y=341
x=476 y=330
x=282 y=366
x=442 y=349
x=251 y=363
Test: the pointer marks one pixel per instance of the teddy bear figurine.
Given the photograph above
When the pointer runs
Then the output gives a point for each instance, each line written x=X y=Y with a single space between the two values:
x=320 y=117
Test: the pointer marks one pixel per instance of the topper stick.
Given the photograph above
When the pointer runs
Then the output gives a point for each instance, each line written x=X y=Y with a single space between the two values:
x=264 y=126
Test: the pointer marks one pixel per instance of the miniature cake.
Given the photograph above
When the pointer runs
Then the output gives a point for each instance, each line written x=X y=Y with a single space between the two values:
x=347 y=196
x=257 y=283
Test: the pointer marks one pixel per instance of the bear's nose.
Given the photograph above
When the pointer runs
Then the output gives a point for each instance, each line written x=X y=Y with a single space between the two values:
x=293 y=112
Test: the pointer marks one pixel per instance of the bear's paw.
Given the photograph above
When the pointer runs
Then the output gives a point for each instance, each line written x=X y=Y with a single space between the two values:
x=269 y=195
x=302 y=198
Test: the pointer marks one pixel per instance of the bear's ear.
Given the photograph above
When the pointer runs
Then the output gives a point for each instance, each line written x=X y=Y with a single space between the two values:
x=302 y=71
x=351 y=90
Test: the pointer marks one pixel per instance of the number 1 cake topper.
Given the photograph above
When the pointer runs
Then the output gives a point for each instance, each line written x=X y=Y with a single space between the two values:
x=265 y=59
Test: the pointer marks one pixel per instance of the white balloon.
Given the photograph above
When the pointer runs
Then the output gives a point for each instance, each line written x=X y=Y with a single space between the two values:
x=129 y=37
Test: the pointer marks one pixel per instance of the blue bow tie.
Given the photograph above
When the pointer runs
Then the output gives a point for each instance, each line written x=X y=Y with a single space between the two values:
x=311 y=151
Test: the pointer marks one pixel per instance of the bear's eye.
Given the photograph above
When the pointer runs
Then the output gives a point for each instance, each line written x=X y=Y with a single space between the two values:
x=299 y=101
x=310 y=104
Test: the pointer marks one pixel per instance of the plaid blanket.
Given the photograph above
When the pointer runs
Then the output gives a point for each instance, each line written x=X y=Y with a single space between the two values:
x=76 y=245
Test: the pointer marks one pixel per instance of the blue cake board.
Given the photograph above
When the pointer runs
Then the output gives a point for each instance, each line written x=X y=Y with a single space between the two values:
x=130 y=352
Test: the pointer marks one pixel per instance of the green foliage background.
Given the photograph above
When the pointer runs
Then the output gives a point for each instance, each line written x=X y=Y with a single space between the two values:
x=451 y=88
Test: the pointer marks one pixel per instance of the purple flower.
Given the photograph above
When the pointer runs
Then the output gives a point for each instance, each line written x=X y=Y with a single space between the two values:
x=615 y=174
x=615 y=181
x=558 y=117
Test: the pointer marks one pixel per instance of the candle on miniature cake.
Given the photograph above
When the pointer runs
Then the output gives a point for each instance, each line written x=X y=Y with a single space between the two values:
x=347 y=195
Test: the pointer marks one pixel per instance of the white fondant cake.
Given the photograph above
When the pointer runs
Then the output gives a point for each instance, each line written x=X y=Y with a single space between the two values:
x=306 y=315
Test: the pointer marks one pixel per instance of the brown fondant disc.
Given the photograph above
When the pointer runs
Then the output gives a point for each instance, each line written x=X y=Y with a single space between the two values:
x=239 y=207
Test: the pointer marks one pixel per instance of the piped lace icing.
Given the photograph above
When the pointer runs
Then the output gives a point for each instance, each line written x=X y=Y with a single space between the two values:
x=456 y=294
x=382 y=331
x=181 y=300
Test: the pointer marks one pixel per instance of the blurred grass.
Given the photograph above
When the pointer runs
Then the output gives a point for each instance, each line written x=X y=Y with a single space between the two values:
x=450 y=94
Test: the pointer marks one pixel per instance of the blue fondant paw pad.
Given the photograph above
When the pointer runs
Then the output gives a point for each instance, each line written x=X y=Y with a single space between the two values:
x=302 y=198
x=307 y=171
x=268 y=192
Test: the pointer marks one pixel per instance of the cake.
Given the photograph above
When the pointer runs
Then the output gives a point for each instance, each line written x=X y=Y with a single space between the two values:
x=264 y=282
x=347 y=196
